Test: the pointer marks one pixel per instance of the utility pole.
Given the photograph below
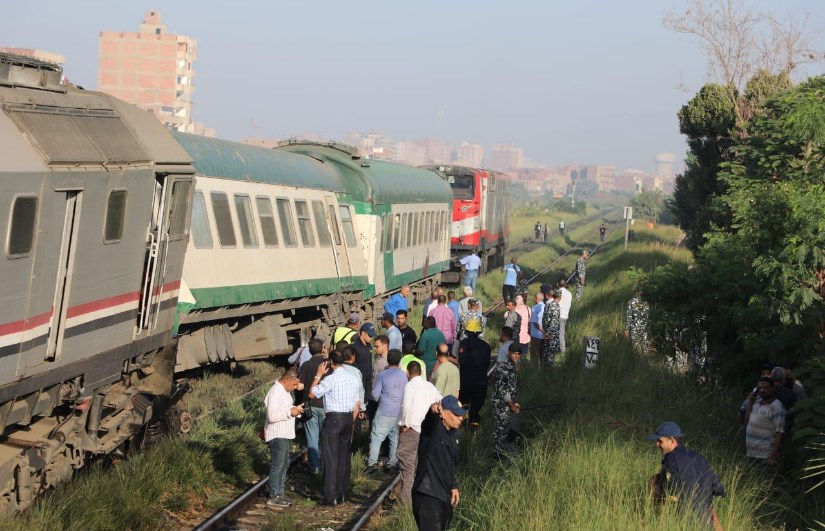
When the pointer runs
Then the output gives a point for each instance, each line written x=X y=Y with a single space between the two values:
x=628 y=215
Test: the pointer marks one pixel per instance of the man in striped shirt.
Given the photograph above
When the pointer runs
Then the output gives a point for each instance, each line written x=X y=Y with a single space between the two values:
x=340 y=393
x=765 y=423
x=279 y=430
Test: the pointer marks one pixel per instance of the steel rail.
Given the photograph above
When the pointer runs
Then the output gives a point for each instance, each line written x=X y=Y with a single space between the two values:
x=376 y=504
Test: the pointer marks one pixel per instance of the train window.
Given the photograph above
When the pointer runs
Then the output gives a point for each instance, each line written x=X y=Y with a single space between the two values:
x=404 y=240
x=446 y=224
x=287 y=223
x=115 y=216
x=387 y=232
x=396 y=235
x=436 y=225
x=305 y=223
x=348 y=225
x=246 y=221
x=383 y=234
x=201 y=233
x=321 y=223
x=428 y=235
x=223 y=219
x=267 y=219
x=22 y=227
x=333 y=220
x=178 y=218
x=419 y=228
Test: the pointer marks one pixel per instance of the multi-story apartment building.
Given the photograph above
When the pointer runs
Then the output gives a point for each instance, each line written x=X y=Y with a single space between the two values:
x=153 y=69
x=470 y=155
x=506 y=157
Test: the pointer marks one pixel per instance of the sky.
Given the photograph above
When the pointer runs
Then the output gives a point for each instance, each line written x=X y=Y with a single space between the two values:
x=584 y=82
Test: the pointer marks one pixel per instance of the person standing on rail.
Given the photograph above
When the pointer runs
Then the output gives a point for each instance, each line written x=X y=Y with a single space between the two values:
x=602 y=233
x=349 y=331
x=561 y=227
x=388 y=391
x=505 y=380
x=511 y=271
x=279 y=430
x=551 y=325
x=419 y=395
x=581 y=272
x=314 y=417
x=536 y=334
x=537 y=230
x=435 y=491
x=472 y=264
x=474 y=361
x=398 y=301
x=565 y=303
x=339 y=391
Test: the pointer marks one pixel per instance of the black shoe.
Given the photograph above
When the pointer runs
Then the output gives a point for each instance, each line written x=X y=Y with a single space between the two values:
x=342 y=499
x=328 y=503
x=372 y=469
x=392 y=470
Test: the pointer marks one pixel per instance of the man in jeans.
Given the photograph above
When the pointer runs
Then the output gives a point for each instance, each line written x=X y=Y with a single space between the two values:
x=279 y=430
x=388 y=390
x=419 y=395
x=313 y=425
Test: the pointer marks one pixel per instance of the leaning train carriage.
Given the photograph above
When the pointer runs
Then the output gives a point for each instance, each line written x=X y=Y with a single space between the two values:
x=403 y=217
x=94 y=195
x=480 y=215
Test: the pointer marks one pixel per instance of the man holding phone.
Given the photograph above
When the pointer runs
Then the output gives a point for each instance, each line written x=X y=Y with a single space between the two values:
x=279 y=430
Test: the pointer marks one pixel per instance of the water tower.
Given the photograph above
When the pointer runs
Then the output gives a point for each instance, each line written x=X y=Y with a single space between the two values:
x=664 y=165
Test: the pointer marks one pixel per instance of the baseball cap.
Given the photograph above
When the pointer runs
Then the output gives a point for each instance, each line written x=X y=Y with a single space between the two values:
x=545 y=288
x=388 y=317
x=354 y=318
x=515 y=346
x=369 y=328
x=666 y=429
x=451 y=403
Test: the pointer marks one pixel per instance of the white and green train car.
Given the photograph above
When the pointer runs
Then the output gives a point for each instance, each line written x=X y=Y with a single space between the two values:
x=284 y=243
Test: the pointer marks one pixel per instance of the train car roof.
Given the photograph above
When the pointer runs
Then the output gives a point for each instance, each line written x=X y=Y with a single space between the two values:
x=381 y=182
x=242 y=162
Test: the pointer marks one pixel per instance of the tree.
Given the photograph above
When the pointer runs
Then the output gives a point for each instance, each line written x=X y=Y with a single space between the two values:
x=648 y=204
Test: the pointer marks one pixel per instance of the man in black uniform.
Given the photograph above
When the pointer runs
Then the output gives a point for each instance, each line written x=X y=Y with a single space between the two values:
x=435 y=490
x=685 y=477
x=474 y=361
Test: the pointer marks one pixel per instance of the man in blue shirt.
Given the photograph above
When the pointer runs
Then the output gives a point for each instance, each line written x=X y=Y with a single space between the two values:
x=388 y=390
x=472 y=264
x=685 y=477
x=398 y=301
x=393 y=333
x=452 y=303
x=511 y=271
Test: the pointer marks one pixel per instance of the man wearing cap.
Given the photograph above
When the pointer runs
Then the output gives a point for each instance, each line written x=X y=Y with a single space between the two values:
x=685 y=477
x=505 y=380
x=419 y=395
x=536 y=334
x=435 y=491
x=474 y=361
x=581 y=272
x=349 y=331
x=471 y=263
x=393 y=333
x=363 y=352
x=550 y=326
x=279 y=430
x=398 y=301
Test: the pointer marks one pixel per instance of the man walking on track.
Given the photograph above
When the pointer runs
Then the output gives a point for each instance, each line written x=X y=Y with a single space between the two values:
x=511 y=271
x=472 y=264
x=581 y=271
x=602 y=232
x=561 y=227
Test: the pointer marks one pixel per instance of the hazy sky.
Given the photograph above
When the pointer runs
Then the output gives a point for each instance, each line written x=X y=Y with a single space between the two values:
x=587 y=81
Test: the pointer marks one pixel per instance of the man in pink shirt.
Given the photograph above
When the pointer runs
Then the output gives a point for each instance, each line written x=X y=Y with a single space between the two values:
x=444 y=320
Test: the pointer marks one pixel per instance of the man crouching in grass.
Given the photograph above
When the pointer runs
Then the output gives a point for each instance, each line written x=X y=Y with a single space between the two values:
x=686 y=477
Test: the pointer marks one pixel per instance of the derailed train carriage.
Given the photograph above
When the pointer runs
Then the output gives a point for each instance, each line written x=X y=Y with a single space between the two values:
x=97 y=195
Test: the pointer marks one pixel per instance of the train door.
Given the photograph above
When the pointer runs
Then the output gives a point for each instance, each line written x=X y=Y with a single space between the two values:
x=71 y=202
x=165 y=250
x=340 y=237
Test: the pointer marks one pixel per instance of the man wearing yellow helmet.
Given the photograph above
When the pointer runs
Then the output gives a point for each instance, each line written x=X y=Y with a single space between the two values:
x=474 y=360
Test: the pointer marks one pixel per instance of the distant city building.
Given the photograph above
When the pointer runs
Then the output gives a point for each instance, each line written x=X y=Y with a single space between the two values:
x=506 y=157
x=409 y=152
x=471 y=155
x=436 y=150
x=540 y=180
x=626 y=180
x=154 y=70
x=35 y=53
x=372 y=145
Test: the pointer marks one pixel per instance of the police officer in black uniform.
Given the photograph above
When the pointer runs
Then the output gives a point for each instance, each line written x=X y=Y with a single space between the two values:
x=686 y=477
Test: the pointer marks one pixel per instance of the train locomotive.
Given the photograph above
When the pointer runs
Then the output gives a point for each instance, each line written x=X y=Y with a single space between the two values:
x=133 y=253
x=480 y=216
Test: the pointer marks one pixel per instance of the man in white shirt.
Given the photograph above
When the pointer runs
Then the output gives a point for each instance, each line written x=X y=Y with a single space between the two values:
x=564 y=304
x=419 y=395
x=279 y=430
x=472 y=264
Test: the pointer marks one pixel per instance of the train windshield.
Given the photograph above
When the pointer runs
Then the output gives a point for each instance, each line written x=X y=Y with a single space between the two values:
x=463 y=186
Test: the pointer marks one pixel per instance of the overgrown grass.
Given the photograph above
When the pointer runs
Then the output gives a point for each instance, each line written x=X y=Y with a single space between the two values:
x=587 y=462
